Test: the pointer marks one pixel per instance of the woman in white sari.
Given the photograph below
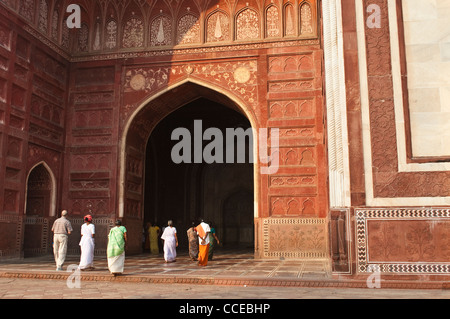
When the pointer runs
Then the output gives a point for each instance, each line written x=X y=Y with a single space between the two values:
x=170 y=242
x=87 y=244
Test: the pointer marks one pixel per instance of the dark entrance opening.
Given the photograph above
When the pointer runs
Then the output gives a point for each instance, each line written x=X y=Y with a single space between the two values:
x=39 y=195
x=220 y=193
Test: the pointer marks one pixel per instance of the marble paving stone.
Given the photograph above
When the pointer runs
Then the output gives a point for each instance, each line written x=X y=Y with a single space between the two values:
x=285 y=274
x=225 y=264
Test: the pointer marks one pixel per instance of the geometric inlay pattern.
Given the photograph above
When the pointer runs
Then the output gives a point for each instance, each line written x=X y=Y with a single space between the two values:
x=403 y=241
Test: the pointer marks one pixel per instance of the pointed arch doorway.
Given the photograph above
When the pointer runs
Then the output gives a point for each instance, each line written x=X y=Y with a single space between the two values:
x=40 y=207
x=155 y=189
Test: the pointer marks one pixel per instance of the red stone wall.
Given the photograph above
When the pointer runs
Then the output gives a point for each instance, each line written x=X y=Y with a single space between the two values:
x=283 y=90
x=33 y=88
x=90 y=165
x=65 y=94
x=85 y=108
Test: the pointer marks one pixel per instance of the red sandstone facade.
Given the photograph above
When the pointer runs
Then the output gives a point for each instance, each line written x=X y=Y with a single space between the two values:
x=77 y=108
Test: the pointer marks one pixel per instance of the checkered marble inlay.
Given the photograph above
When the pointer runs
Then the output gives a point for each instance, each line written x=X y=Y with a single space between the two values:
x=403 y=241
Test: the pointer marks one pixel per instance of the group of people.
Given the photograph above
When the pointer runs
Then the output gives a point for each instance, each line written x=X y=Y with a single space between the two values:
x=202 y=239
x=117 y=239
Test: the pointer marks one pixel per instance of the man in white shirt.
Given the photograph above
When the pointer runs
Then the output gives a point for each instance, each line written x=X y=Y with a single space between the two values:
x=61 y=229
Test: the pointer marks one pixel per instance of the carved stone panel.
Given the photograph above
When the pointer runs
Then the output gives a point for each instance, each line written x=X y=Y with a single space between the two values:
x=5 y=37
x=403 y=240
x=11 y=201
x=247 y=25
x=161 y=31
x=218 y=28
x=339 y=241
x=295 y=238
x=295 y=205
x=188 y=29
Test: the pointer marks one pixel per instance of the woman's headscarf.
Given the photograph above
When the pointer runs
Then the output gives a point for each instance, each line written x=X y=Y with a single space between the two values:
x=88 y=218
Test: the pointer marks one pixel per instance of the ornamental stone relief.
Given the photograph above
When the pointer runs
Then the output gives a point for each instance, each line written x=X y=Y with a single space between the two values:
x=133 y=35
x=55 y=21
x=297 y=156
x=5 y=37
x=83 y=38
x=27 y=9
x=46 y=134
x=65 y=36
x=111 y=35
x=295 y=238
x=290 y=86
x=291 y=109
x=247 y=25
x=403 y=240
x=9 y=3
x=94 y=119
x=43 y=16
x=388 y=182
x=157 y=30
x=296 y=132
x=306 y=20
x=86 y=162
x=289 y=22
x=282 y=206
x=10 y=203
x=291 y=63
x=14 y=148
x=96 y=45
x=188 y=30
x=146 y=79
x=93 y=206
x=218 y=28
x=18 y=97
x=242 y=75
x=161 y=31
x=238 y=77
x=3 y=90
x=273 y=22
x=292 y=181
x=46 y=110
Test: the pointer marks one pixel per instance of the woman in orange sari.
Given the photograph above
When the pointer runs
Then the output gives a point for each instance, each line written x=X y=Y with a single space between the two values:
x=203 y=231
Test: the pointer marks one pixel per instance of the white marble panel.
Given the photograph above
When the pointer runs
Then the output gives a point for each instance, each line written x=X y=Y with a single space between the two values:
x=427 y=40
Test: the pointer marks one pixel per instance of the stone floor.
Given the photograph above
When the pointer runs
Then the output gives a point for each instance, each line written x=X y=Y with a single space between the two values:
x=231 y=279
x=19 y=288
x=228 y=268
x=225 y=264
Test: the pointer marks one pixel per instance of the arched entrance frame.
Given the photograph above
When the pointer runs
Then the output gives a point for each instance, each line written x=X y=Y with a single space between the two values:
x=237 y=102
x=52 y=211
x=38 y=243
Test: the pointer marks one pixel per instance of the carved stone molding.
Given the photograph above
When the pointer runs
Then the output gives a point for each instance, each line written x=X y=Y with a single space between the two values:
x=336 y=104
